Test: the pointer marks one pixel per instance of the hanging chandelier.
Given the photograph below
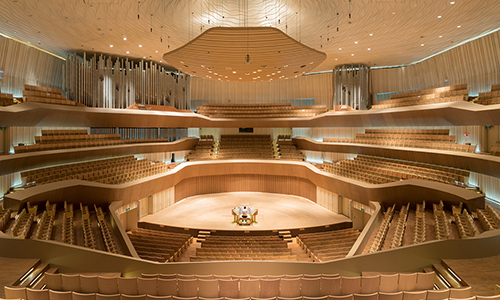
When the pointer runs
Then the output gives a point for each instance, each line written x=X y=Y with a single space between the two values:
x=244 y=54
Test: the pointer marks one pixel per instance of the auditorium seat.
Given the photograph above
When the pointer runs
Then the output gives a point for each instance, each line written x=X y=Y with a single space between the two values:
x=310 y=287
x=127 y=285
x=416 y=295
x=331 y=286
x=438 y=294
x=370 y=284
x=13 y=292
x=70 y=282
x=108 y=285
x=269 y=288
x=249 y=288
x=167 y=287
x=89 y=284
x=83 y=296
x=107 y=297
x=342 y=297
x=208 y=288
x=461 y=293
x=53 y=281
x=132 y=297
x=290 y=288
x=147 y=286
x=425 y=281
x=228 y=288
x=187 y=287
x=58 y=295
x=372 y=296
x=34 y=294
x=351 y=285
x=390 y=296
x=151 y=297
x=389 y=283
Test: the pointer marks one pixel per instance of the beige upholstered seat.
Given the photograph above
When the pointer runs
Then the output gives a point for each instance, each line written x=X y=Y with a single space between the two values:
x=461 y=293
x=208 y=288
x=187 y=287
x=269 y=288
x=15 y=292
x=414 y=295
x=127 y=286
x=351 y=285
x=83 y=296
x=107 y=297
x=70 y=282
x=151 y=297
x=330 y=286
x=343 y=297
x=228 y=288
x=438 y=294
x=290 y=288
x=372 y=296
x=168 y=276
x=132 y=297
x=89 y=284
x=315 y=298
x=59 y=295
x=310 y=287
x=53 y=281
x=167 y=287
x=369 y=284
x=389 y=283
x=147 y=286
x=107 y=285
x=249 y=288
x=425 y=281
x=37 y=294
x=390 y=296
x=407 y=282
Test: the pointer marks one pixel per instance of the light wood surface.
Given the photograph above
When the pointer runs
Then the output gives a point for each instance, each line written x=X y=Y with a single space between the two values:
x=400 y=192
x=276 y=212
x=480 y=163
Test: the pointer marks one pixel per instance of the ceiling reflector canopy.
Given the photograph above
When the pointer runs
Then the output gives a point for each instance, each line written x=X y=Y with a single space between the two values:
x=244 y=54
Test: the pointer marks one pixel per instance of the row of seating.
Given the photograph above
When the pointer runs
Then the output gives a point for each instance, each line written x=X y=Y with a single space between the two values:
x=427 y=132
x=160 y=246
x=272 y=110
x=6 y=99
x=106 y=232
x=32 y=294
x=245 y=146
x=397 y=239
x=438 y=90
x=68 y=230
x=441 y=223
x=382 y=230
x=220 y=256
x=495 y=150
x=330 y=245
x=419 y=235
x=465 y=224
x=489 y=98
x=416 y=101
x=204 y=150
x=88 y=234
x=22 y=224
x=275 y=286
x=287 y=150
x=4 y=218
x=33 y=93
x=45 y=226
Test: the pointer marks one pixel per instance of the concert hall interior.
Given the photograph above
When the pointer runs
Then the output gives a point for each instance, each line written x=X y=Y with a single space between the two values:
x=250 y=149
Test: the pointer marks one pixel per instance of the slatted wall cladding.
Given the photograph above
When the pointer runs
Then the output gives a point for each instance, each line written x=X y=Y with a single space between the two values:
x=103 y=82
x=22 y=65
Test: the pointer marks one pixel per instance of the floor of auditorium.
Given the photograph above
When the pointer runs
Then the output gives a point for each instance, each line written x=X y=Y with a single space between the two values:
x=276 y=212
x=482 y=274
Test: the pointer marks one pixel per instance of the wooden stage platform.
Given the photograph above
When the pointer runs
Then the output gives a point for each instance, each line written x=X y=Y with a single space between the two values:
x=276 y=212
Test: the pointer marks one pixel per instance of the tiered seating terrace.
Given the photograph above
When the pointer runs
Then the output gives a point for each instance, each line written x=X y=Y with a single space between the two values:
x=288 y=150
x=382 y=230
x=465 y=224
x=204 y=150
x=107 y=235
x=419 y=234
x=326 y=246
x=414 y=138
x=263 y=110
x=215 y=248
x=69 y=139
x=441 y=223
x=33 y=93
x=489 y=98
x=4 y=218
x=160 y=246
x=437 y=95
x=109 y=171
x=245 y=146
x=397 y=239
x=6 y=99
x=378 y=170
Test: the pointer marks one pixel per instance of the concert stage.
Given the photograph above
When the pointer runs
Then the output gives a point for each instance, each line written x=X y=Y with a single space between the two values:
x=276 y=212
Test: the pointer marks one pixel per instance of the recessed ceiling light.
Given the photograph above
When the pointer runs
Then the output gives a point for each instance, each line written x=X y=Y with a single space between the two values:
x=128 y=52
x=240 y=77
x=202 y=66
x=393 y=12
x=371 y=34
x=156 y=51
x=144 y=57
x=111 y=46
x=452 y=2
x=234 y=72
x=422 y=45
x=285 y=66
x=355 y=42
x=161 y=60
x=459 y=26
x=439 y=17
x=369 y=49
x=124 y=38
x=335 y=59
x=340 y=48
x=440 y=36
x=352 y=54
x=140 y=45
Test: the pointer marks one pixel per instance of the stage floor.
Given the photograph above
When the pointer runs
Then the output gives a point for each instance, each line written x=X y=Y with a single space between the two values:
x=275 y=212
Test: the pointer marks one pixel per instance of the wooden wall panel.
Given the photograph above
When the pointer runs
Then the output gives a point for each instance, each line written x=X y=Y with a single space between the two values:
x=22 y=65
x=245 y=183
x=476 y=63
x=317 y=86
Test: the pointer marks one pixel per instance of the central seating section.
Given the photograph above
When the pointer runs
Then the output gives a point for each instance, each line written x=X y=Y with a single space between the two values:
x=160 y=246
x=33 y=93
x=109 y=171
x=216 y=248
x=68 y=139
x=263 y=110
x=330 y=245
x=245 y=146
x=377 y=170
x=415 y=138
x=437 y=95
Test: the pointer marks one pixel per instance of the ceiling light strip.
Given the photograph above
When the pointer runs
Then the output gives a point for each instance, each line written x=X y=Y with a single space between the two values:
x=32 y=46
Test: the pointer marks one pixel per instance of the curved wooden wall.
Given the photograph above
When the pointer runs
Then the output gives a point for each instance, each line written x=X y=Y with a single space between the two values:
x=479 y=163
x=442 y=114
x=30 y=160
x=400 y=192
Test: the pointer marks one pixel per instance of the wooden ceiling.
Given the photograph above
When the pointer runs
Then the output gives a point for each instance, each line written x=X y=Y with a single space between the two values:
x=244 y=54
x=374 y=32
